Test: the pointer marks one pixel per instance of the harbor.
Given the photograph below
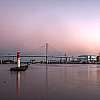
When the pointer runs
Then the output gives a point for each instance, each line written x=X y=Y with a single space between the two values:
x=49 y=59
x=49 y=49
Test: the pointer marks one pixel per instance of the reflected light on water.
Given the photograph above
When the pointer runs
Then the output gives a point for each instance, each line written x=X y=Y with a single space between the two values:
x=18 y=83
x=51 y=82
x=94 y=73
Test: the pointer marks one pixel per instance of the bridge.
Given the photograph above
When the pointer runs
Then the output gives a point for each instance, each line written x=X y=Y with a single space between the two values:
x=43 y=58
x=34 y=58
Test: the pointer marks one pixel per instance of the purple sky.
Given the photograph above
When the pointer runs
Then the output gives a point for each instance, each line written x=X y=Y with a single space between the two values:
x=68 y=25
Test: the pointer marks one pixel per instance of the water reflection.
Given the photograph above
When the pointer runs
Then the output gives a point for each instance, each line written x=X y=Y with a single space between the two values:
x=53 y=82
x=18 y=83
x=93 y=73
x=46 y=81
x=16 y=79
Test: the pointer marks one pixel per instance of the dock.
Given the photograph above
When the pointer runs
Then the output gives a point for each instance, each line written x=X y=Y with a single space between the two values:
x=21 y=68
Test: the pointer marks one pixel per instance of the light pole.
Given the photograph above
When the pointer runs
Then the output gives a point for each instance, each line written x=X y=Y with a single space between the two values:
x=46 y=53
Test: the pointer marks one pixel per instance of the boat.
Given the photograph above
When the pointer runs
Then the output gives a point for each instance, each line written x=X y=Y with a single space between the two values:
x=21 y=68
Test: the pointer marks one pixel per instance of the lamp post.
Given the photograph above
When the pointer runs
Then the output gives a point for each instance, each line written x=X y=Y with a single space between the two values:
x=46 y=53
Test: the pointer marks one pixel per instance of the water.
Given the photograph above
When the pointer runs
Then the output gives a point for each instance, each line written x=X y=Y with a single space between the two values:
x=57 y=82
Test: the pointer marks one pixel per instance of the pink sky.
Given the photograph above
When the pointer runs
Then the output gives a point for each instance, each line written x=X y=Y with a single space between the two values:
x=71 y=29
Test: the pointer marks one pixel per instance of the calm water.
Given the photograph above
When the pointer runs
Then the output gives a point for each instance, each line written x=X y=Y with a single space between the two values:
x=58 y=82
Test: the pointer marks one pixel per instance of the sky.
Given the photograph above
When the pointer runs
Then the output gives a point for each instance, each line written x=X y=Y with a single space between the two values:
x=71 y=26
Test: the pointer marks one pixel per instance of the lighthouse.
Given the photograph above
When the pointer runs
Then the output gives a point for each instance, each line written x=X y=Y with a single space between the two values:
x=18 y=59
x=19 y=67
